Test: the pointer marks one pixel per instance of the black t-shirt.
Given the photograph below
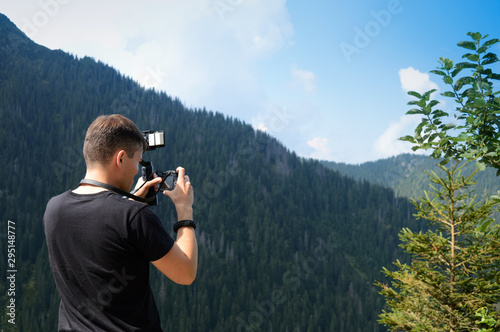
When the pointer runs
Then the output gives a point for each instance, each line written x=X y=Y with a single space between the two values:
x=100 y=246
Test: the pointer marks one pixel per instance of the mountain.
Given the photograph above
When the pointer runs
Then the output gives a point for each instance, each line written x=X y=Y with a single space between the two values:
x=285 y=243
x=406 y=174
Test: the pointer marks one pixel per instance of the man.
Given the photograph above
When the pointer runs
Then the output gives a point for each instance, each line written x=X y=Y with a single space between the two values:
x=100 y=243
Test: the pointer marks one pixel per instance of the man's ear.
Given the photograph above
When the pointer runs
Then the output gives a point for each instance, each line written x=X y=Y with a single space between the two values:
x=118 y=159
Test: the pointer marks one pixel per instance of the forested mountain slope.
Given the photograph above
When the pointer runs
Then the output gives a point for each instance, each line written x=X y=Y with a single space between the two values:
x=406 y=174
x=286 y=244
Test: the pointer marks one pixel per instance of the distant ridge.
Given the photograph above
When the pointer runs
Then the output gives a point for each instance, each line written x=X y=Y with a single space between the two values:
x=406 y=174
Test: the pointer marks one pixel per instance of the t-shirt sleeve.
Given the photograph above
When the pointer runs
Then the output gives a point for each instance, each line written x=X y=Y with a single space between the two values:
x=152 y=239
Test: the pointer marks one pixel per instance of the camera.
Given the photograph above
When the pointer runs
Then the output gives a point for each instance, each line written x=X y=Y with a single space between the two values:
x=156 y=139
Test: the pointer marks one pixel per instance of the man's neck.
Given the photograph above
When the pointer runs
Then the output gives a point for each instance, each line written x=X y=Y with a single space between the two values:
x=91 y=189
x=85 y=189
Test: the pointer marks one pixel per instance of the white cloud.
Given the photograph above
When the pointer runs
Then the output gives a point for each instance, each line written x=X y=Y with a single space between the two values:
x=388 y=145
x=261 y=126
x=303 y=78
x=414 y=80
x=203 y=51
x=321 y=149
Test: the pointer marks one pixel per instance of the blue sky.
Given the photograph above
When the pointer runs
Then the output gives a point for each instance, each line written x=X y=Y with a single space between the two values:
x=328 y=79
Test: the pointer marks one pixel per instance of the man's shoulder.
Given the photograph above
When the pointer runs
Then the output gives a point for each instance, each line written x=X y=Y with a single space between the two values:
x=59 y=198
x=96 y=197
x=108 y=200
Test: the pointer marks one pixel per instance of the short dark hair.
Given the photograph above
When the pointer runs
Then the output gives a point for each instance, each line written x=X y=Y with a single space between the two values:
x=108 y=134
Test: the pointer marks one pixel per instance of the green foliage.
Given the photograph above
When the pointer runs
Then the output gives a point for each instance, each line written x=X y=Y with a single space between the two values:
x=487 y=321
x=453 y=278
x=475 y=131
x=455 y=266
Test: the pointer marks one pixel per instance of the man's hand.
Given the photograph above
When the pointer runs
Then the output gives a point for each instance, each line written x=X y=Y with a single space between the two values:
x=180 y=264
x=182 y=196
x=144 y=189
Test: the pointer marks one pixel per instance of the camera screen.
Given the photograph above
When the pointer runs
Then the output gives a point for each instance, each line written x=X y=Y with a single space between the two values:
x=169 y=182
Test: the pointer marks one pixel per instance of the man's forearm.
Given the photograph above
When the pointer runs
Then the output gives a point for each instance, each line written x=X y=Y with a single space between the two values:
x=186 y=240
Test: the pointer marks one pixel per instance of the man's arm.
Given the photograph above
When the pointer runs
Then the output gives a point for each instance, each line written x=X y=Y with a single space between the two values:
x=180 y=264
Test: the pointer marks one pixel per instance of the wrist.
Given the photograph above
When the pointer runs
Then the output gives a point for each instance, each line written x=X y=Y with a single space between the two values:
x=184 y=213
x=184 y=223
